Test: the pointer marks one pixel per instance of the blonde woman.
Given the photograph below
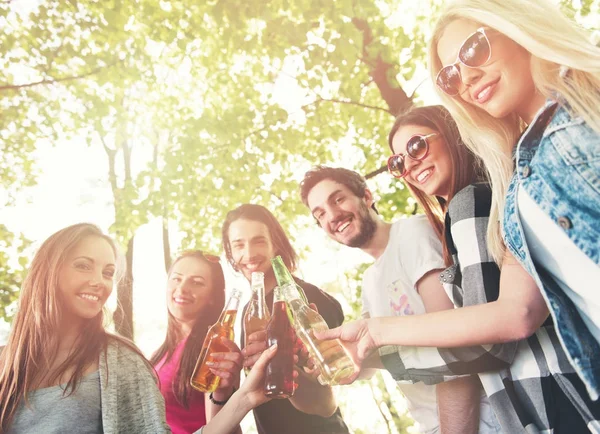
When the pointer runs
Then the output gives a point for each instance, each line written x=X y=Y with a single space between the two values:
x=522 y=81
x=523 y=84
x=61 y=371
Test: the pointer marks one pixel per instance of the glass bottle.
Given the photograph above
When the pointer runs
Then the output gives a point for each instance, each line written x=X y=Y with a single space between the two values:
x=279 y=375
x=202 y=378
x=330 y=356
x=283 y=275
x=257 y=315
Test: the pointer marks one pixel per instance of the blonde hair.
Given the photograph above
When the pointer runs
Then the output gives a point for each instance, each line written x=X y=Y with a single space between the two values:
x=33 y=341
x=554 y=42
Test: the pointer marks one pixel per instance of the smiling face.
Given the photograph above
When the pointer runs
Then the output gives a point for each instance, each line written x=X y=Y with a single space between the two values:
x=433 y=174
x=251 y=247
x=503 y=85
x=85 y=279
x=345 y=217
x=189 y=288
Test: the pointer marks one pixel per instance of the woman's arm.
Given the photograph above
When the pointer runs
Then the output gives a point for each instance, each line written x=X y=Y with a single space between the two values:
x=227 y=366
x=249 y=396
x=519 y=311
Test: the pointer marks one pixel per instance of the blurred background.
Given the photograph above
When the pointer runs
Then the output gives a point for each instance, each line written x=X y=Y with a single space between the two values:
x=154 y=118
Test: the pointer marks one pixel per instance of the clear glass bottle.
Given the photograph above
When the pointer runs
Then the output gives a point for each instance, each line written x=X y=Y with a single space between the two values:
x=331 y=357
x=257 y=314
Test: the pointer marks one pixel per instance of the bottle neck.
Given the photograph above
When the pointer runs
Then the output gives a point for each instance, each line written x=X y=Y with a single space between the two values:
x=278 y=295
x=232 y=305
x=258 y=300
x=291 y=293
x=282 y=274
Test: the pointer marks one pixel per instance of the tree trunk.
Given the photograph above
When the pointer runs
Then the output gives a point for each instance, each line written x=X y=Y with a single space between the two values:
x=382 y=72
x=166 y=246
x=123 y=315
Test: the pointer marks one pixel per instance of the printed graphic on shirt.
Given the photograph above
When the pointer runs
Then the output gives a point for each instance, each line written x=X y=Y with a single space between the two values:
x=400 y=302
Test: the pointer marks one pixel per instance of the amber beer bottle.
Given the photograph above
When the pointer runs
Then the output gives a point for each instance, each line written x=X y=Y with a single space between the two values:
x=202 y=378
x=279 y=378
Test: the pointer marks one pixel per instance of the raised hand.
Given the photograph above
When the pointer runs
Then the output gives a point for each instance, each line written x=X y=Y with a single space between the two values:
x=253 y=387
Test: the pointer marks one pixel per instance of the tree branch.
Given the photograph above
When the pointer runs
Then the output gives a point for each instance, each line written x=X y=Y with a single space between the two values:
x=54 y=80
x=374 y=173
x=350 y=102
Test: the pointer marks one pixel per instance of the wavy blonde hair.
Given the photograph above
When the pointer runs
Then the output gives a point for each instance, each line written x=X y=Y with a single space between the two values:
x=553 y=41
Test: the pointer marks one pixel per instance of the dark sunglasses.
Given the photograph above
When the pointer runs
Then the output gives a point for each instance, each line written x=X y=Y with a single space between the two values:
x=417 y=149
x=476 y=51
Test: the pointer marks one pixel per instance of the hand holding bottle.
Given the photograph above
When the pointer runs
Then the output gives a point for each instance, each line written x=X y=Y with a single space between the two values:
x=252 y=388
x=356 y=338
x=227 y=365
x=256 y=343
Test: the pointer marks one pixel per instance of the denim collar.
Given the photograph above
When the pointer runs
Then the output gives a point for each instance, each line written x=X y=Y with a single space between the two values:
x=530 y=139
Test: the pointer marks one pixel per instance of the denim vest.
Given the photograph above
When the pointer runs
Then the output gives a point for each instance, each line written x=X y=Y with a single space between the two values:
x=558 y=165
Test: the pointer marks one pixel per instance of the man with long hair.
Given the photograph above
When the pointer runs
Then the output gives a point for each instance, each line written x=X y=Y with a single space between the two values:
x=252 y=236
x=404 y=280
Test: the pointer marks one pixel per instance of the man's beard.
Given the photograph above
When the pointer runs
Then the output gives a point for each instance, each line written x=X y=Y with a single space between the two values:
x=368 y=226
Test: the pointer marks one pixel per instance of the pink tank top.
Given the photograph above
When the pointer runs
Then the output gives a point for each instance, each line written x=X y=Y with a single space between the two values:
x=181 y=420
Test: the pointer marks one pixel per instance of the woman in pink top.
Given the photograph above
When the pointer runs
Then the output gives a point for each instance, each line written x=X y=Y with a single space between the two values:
x=195 y=298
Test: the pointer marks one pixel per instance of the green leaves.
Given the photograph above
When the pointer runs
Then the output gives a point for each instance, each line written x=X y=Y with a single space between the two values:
x=13 y=263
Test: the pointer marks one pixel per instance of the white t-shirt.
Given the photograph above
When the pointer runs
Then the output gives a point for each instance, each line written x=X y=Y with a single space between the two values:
x=576 y=274
x=389 y=289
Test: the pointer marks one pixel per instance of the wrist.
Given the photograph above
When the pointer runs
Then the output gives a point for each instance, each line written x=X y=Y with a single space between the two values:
x=221 y=396
x=375 y=329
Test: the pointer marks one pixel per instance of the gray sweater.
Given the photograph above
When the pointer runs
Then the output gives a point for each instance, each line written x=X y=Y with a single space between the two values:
x=131 y=400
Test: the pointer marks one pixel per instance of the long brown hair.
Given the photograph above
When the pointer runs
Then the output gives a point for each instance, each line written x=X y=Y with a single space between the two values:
x=465 y=167
x=259 y=213
x=206 y=317
x=33 y=341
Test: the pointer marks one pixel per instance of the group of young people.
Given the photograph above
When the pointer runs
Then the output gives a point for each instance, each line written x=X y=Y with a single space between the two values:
x=486 y=309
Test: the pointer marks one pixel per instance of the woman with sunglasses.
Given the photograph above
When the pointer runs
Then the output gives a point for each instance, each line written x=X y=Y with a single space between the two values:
x=444 y=178
x=523 y=84
x=195 y=298
x=501 y=66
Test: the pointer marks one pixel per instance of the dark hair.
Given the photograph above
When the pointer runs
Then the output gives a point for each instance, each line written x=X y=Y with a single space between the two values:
x=355 y=182
x=466 y=169
x=207 y=316
x=259 y=213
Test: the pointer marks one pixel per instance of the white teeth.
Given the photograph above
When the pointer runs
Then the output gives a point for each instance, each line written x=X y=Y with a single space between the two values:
x=424 y=174
x=181 y=300
x=481 y=95
x=343 y=227
x=89 y=297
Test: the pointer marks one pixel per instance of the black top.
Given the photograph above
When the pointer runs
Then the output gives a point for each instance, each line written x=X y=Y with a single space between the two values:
x=279 y=416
